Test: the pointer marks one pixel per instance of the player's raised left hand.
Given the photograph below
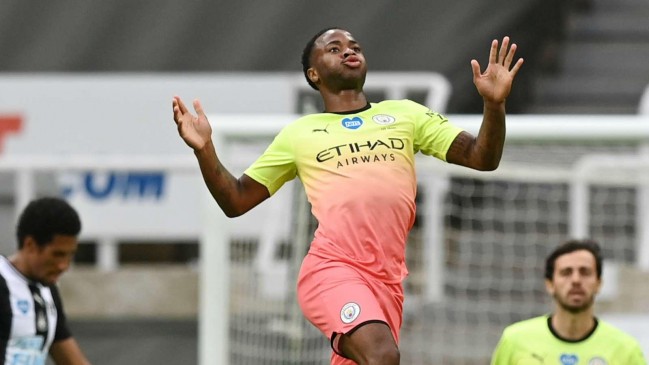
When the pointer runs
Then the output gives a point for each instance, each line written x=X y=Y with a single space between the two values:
x=495 y=83
x=195 y=130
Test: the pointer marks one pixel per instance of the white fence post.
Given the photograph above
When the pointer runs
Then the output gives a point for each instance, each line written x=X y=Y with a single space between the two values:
x=24 y=188
x=579 y=206
x=107 y=254
x=214 y=301
x=435 y=189
x=642 y=217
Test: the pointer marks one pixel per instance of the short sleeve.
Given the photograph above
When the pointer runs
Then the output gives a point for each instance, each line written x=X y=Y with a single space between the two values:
x=636 y=356
x=434 y=134
x=502 y=353
x=276 y=165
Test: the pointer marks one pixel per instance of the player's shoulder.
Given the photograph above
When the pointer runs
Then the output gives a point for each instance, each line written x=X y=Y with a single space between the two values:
x=614 y=333
x=527 y=326
x=6 y=269
x=300 y=123
x=308 y=119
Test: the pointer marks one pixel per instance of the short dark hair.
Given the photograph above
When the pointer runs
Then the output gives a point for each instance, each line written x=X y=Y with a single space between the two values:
x=571 y=246
x=306 y=54
x=46 y=217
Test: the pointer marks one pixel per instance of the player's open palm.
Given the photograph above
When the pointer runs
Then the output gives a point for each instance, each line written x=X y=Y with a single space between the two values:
x=195 y=130
x=495 y=83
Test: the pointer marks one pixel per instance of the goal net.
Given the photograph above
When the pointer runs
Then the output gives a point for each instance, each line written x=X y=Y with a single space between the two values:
x=476 y=253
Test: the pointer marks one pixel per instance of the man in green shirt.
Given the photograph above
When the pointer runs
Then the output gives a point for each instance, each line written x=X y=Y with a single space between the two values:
x=571 y=334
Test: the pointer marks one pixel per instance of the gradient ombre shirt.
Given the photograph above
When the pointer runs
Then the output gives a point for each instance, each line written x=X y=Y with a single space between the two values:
x=358 y=171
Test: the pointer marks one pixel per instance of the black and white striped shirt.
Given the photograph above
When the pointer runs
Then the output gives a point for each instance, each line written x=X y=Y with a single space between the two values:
x=31 y=318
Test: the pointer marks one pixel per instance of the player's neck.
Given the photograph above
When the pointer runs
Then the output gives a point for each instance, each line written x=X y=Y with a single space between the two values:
x=573 y=326
x=344 y=100
x=18 y=262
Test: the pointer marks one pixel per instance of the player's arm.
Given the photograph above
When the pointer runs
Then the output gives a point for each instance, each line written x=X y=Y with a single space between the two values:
x=234 y=196
x=68 y=352
x=494 y=85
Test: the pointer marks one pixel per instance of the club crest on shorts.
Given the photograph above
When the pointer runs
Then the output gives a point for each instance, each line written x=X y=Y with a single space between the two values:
x=350 y=312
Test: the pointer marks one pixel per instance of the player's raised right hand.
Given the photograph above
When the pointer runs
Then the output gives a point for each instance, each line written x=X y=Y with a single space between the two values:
x=195 y=130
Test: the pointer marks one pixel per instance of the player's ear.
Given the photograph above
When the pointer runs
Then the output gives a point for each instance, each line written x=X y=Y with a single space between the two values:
x=29 y=244
x=549 y=286
x=312 y=74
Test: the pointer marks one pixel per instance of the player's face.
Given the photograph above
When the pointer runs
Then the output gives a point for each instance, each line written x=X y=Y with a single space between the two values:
x=47 y=263
x=338 y=60
x=575 y=282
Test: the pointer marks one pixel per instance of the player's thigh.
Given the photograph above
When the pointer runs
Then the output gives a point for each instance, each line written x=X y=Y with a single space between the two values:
x=337 y=299
x=369 y=343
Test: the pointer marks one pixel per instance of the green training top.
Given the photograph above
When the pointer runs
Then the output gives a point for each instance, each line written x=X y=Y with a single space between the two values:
x=534 y=342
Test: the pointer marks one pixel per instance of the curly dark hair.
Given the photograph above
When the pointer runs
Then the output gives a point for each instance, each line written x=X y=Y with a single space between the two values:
x=306 y=54
x=571 y=246
x=46 y=217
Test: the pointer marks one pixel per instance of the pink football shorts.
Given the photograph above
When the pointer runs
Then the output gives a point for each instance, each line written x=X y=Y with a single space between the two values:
x=338 y=299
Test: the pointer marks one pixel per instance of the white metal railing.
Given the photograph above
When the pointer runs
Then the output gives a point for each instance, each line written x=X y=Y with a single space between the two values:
x=26 y=167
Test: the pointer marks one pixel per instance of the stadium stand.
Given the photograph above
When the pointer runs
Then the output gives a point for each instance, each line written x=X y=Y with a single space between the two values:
x=600 y=64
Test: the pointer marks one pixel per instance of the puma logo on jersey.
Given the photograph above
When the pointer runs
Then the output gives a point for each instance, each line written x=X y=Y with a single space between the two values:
x=321 y=129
